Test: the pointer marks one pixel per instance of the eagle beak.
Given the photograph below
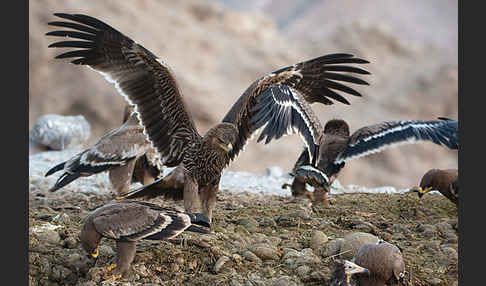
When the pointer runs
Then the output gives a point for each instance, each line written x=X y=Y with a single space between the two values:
x=422 y=192
x=95 y=254
x=357 y=269
x=228 y=148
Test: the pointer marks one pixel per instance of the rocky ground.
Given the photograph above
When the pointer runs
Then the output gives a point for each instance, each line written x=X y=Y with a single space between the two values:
x=256 y=238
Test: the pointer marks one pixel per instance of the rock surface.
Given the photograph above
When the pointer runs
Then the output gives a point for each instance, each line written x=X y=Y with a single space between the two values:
x=257 y=238
x=59 y=132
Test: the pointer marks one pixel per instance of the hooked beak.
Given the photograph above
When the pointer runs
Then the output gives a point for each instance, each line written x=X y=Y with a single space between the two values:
x=95 y=254
x=421 y=191
x=357 y=269
x=228 y=148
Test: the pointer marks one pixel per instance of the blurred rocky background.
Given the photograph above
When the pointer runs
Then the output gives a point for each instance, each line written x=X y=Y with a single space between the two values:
x=218 y=48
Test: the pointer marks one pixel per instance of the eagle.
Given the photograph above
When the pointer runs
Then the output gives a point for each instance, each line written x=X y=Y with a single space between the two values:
x=129 y=221
x=124 y=152
x=443 y=180
x=336 y=146
x=375 y=264
x=149 y=84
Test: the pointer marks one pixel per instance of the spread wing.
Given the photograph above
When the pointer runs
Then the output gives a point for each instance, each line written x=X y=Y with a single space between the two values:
x=375 y=138
x=142 y=79
x=132 y=221
x=280 y=101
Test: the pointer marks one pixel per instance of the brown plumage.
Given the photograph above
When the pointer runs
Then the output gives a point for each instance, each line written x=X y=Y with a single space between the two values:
x=384 y=262
x=117 y=152
x=130 y=221
x=336 y=146
x=276 y=101
x=145 y=170
x=444 y=181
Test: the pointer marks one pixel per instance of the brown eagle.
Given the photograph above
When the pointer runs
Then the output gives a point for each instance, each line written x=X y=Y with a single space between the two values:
x=444 y=181
x=375 y=264
x=336 y=146
x=149 y=84
x=124 y=152
x=130 y=221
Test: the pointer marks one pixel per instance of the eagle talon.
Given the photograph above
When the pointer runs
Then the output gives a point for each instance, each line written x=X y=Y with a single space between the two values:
x=112 y=278
x=110 y=267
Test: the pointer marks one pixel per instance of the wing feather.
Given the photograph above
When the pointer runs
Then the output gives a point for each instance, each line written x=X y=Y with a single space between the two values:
x=279 y=103
x=133 y=220
x=374 y=138
x=138 y=75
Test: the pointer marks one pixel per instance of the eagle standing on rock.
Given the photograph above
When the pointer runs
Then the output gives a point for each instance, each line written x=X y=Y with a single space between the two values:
x=123 y=152
x=148 y=83
x=444 y=181
x=336 y=146
x=130 y=221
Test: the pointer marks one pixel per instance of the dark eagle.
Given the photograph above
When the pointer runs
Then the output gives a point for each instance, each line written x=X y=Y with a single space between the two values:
x=124 y=152
x=336 y=146
x=148 y=83
x=444 y=181
x=130 y=221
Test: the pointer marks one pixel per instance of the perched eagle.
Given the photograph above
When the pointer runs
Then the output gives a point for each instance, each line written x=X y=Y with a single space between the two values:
x=124 y=152
x=130 y=221
x=444 y=181
x=336 y=146
x=149 y=84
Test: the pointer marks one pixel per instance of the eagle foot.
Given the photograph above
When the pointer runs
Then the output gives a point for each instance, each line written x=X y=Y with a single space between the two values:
x=112 y=278
x=110 y=267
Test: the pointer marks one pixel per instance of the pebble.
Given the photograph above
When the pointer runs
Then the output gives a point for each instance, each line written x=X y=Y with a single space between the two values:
x=303 y=270
x=451 y=254
x=265 y=251
x=249 y=223
x=434 y=281
x=78 y=261
x=220 y=262
x=353 y=241
x=107 y=250
x=49 y=236
x=61 y=218
x=70 y=242
x=293 y=258
x=266 y=222
x=445 y=229
x=251 y=256
x=427 y=230
x=292 y=218
x=60 y=132
x=332 y=247
x=318 y=239
x=283 y=281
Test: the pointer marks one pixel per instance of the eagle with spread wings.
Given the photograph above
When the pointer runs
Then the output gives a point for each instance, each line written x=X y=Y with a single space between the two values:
x=147 y=83
x=337 y=146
